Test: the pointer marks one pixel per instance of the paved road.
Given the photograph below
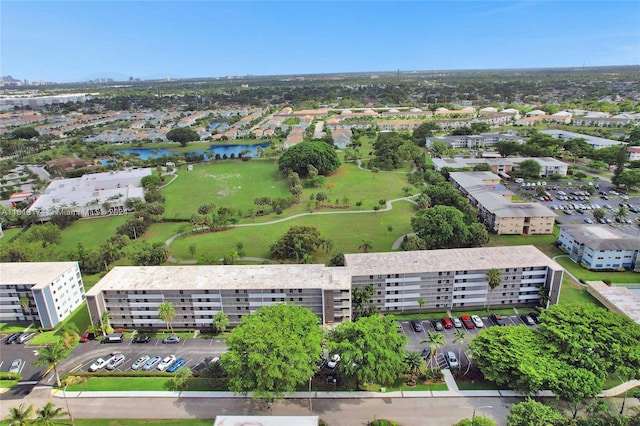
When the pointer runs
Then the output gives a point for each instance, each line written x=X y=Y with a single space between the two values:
x=336 y=412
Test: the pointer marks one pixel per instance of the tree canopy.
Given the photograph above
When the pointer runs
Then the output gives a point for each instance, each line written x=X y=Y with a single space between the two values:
x=445 y=227
x=273 y=350
x=298 y=244
x=27 y=132
x=529 y=169
x=371 y=349
x=298 y=157
x=183 y=135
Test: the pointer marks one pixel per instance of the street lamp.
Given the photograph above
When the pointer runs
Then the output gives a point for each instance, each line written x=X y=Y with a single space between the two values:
x=310 y=408
x=478 y=408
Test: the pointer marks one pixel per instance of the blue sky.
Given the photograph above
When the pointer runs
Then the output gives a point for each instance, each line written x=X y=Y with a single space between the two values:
x=77 y=40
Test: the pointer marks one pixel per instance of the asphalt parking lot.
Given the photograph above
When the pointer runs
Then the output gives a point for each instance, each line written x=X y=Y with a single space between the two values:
x=419 y=341
x=196 y=352
x=609 y=202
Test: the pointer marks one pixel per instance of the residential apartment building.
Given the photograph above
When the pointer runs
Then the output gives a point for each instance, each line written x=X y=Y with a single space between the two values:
x=455 y=278
x=504 y=166
x=55 y=290
x=496 y=208
x=475 y=141
x=132 y=294
x=600 y=247
x=445 y=279
x=594 y=142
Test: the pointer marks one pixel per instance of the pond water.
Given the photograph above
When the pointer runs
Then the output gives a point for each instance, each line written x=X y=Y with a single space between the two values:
x=146 y=153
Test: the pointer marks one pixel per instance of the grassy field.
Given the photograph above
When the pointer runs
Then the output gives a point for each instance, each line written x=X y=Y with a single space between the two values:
x=85 y=231
x=346 y=231
x=544 y=243
x=223 y=183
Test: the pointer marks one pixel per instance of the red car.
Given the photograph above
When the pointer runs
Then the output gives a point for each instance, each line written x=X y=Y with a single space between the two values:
x=86 y=336
x=447 y=322
x=468 y=323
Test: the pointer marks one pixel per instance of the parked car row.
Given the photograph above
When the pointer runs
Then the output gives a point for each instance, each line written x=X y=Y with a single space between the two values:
x=468 y=322
x=19 y=338
x=145 y=363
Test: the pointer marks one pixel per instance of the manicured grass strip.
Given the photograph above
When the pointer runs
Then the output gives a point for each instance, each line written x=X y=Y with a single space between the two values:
x=586 y=275
x=476 y=385
x=8 y=383
x=572 y=293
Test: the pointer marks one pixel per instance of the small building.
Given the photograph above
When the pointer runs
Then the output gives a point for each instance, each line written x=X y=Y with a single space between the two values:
x=496 y=208
x=54 y=290
x=600 y=247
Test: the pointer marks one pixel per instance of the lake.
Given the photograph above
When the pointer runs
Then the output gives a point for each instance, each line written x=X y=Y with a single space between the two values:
x=210 y=153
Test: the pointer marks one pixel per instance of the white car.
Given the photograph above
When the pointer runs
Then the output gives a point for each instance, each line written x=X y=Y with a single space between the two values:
x=451 y=359
x=477 y=321
x=115 y=362
x=16 y=366
x=333 y=362
x=140 y=362
x=166 y=362
x=98 y=365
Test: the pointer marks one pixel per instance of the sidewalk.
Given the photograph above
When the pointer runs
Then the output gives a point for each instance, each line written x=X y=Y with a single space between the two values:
x=454 y=392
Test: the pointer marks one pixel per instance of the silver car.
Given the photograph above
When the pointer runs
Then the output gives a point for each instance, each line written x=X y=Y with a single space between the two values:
x=115 y=362
x=16 y=366
x=152 y=363
x=140 y=362
x=452 y=360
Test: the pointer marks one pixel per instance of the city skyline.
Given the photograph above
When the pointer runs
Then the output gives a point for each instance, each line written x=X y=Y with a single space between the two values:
x=78 y=41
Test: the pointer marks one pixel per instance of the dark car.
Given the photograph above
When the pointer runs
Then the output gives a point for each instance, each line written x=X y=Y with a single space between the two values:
x=497 y=320
x=12 y=339
x=171 y=339
x=437 y=325
x=527 y=319
x=416 y=326
x=468 y=323
x=535 y=317
x=141 y=339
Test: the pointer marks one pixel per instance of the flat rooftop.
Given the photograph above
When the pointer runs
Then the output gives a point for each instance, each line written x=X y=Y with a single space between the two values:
x=35 y=273
x=602 y=237
x=480 y=258
x=227 y=277
x=616 y=298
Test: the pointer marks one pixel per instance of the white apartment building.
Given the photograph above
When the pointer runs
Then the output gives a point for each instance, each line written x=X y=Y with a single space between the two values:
x=475 y=141
x=594 y=142
x=503 y=166
x=445 y=279
x=600 y=247
x=455 y=278
x=55 y=290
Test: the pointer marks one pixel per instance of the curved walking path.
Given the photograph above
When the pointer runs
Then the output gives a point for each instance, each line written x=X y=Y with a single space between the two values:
x=388 y=207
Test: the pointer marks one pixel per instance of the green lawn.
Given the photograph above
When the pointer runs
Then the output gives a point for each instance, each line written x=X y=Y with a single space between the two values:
x=84 y=231
x=586 y=275
x=223 y=183
x=476 y=385
x=544 y=243
x=573 y=293
x=347 y=231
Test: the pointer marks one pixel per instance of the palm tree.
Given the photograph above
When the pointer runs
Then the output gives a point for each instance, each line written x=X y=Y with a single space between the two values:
x=436 y=341
x=221 y=322
x=167 y=313
x=106 y=326
x=24 y=301
x=69 y=333
x=621 y=214
x=20 y=415
x=413 y=360
x=48 y=414
x=459 y=337
x=366 y=246
x=494 y=279
x=50 y=356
